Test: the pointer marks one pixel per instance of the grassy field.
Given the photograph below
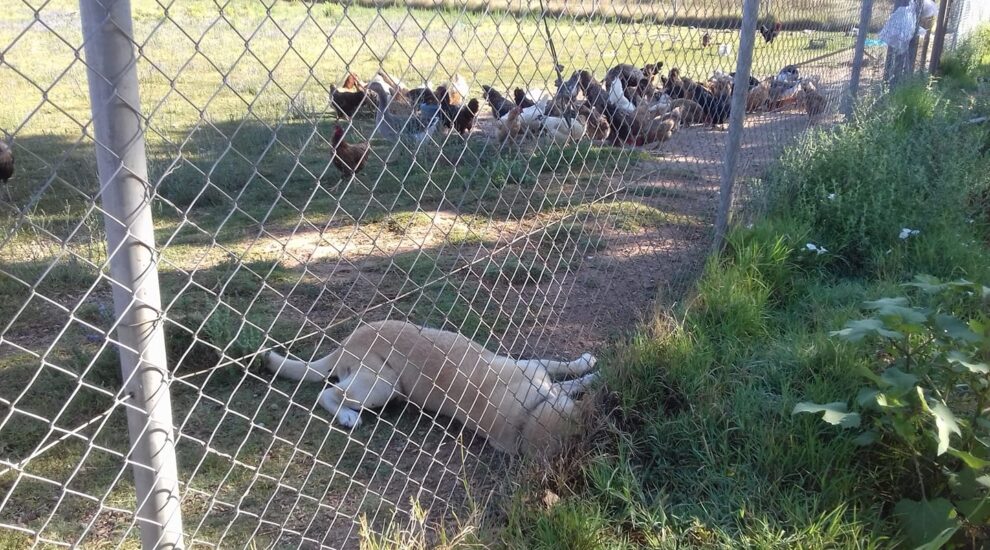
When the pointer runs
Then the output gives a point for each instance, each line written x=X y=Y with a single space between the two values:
x=262 y=243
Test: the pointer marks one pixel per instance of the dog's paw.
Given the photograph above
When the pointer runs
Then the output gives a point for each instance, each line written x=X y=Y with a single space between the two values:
x=348 y=418
x=589 y=359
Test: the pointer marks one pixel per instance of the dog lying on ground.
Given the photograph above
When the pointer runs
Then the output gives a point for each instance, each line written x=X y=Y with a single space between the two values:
x=519 y=405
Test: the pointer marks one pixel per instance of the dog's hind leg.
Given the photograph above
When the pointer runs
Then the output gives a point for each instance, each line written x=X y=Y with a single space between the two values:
x=362 y=389
x=578 y=385
x=576 y=367
x=331 y=399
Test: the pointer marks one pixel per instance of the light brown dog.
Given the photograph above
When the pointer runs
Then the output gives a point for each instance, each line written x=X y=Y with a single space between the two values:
x=517 y=404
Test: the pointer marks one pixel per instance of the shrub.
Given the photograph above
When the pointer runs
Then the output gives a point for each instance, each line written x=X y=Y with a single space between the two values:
x=909 y=163
x=927 y=400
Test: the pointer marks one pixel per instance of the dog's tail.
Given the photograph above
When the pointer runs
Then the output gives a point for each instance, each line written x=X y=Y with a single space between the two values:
x=315 y=371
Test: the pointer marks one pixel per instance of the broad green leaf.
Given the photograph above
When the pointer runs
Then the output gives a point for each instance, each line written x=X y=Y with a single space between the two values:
x=898 y=380
x=960 y=358
x=876 y=399
x=927 y=283
x=866 y=438
x=867 y=397
x=927 y=523
x=897 y=308
x=921 y=399
x=946 y=423
x=970 y=459
x=903 y=428
x=956 y=329
x=967 y=484
x=976 y=510
x=855 y=331
x=834 y=413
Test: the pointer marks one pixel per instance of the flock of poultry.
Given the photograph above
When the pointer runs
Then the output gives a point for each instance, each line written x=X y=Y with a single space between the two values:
x=633 y=106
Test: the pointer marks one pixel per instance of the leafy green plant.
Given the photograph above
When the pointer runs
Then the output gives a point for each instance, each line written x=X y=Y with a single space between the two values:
x=907 y=157
x=929 y=400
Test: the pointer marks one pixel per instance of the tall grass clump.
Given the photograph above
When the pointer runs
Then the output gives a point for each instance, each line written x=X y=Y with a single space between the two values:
x=910 y=162
x=968 y=62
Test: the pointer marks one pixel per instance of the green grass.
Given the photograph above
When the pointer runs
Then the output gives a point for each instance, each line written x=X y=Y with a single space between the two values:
x=695 y=445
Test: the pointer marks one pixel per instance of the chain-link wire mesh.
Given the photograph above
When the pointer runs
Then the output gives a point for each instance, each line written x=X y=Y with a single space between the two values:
x=313 y=168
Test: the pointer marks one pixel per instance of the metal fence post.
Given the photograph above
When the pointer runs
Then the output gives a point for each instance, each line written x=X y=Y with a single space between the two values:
x=938 y=44
x=126 y=198
x=849 y=100
x=737 y=116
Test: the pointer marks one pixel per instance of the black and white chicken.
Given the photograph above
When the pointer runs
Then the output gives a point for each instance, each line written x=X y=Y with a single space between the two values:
x=770 y=33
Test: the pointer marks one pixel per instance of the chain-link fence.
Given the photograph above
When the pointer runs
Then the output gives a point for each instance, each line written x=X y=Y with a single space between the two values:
x=198 y=184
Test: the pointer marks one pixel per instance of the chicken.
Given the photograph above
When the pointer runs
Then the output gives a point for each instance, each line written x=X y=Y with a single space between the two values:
x=716 y=107
x=595 y=123
x=690 y=111
x=447 y=95
x=519 y=95
x=674 y=86
x=424 y=96
x=617 y=97
x=346 y=104
x=661 y=104
x=759 y=97
x=753 y=81
x=675 y=114
x=348 y=158
x=770 y=32
x=706 y=40
x=561 y=130
x=720 y=85
x=509 y=125
x=814 y=102
x=531 y=118
x=625 y=126
x=593 y=91
x=458 y=90
x=460 y=117
x=784 y=88
x=499 y=104
x=659 y=130
x=563 y=99
x=6 y=163
x=353 y=82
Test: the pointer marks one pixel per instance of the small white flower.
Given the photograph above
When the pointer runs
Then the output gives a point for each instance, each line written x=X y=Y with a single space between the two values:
x=907 y=232
x=831 y=196
x=749 y=226
x=815 y=248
